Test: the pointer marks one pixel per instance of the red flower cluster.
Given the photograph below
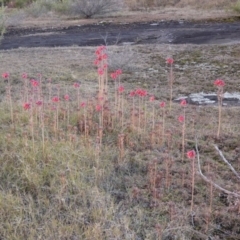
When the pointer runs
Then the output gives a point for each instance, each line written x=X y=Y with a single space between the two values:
x=115 y=74
x=83 y=104
x=162 y=104
x=152 y=98
x=26 y=106
x=5 y=75
x=55 y=99
x=100 y=49
x=132 y=93
x=76 y=85
x=24 y=76
x=98 y=108
x=100 y=71
x=169 y=61
x=34 y=83
x=191 y=154
x=219 y=83
x=100 y=55
x=139 y=92
x=121 y=89
x=181 y=119
x=183 y=103
x=39 y=103
x=66 y=97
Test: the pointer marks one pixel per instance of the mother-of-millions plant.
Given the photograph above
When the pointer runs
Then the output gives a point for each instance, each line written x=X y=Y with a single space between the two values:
x=219 y=84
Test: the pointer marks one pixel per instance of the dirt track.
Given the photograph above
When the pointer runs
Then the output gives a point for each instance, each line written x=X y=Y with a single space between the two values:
x=170 y=32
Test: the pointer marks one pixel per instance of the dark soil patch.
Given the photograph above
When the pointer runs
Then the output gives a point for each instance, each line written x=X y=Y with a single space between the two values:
x=159 y=32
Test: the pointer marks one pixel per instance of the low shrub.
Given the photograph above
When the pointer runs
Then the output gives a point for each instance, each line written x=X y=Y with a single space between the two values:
x=236 y=7
x=38 y=8
x=2 y=22
x=90 y=8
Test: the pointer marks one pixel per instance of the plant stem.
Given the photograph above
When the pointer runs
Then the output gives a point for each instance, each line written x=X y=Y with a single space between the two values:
x=193 y=182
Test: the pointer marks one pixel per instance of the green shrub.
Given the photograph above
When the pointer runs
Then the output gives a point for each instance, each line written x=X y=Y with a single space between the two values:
x=2 y=22
x=17 y=3
x=61 y=7
x=236 y=7
x=39 y=8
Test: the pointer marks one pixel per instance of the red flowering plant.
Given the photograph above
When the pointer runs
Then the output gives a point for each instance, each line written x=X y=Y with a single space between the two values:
x=5 y=75
x=26 y=106
x=181 y=119
x=34 y=83
x=121 y=89
x=191 y=154
x=66 y=97
x=170 y=62
x=55 y=99
x=162 y=105
x=219 y=83
x=102 y=67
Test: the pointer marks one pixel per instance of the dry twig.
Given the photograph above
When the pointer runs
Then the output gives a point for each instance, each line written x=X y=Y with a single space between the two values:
x=210 y=181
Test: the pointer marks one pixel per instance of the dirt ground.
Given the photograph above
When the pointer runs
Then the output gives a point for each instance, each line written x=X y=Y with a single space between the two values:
x=143 y=64
x=165 y=14
x=195 y=68
x=163 y=26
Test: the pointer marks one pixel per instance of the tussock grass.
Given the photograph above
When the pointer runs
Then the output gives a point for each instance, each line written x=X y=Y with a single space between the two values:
x=74 y=188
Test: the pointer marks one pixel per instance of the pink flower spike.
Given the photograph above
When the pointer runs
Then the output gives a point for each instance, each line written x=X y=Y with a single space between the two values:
x=98 y=108
x=104 y=56
x=66 y=97
x=100 y=49
x=24 y=76
x=55 y=99
x=5 y=75
x=162 y=104
x=100 y=71
x=119 y=71
x=141 y=92
x=132 y=93
x=26 y=106
x=169 y=61
x=152 y=98
x=34 y=83
x=39 y=103
x=219 y=83
x=113 y=75
x=83 y=104
x=181 y=119
x=191 y=154
x=76 y=85
x=121 y=89
x=96 y=62
x=183 y=102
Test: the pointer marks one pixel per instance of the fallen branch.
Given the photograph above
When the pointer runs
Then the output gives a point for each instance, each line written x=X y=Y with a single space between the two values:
x=226 y=161
x=208 y=180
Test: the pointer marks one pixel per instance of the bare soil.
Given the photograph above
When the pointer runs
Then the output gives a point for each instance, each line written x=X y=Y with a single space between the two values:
x=156 y=32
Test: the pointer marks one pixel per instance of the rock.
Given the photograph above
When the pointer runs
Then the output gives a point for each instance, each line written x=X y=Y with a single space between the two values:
x=229 y=99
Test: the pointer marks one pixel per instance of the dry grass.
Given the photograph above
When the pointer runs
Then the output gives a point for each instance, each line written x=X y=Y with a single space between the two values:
x=70 y=192
x=185 y=9
x=215 y=4
x=195 y=66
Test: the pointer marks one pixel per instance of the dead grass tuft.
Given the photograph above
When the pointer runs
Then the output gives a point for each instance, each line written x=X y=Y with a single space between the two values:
x=133 y=183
